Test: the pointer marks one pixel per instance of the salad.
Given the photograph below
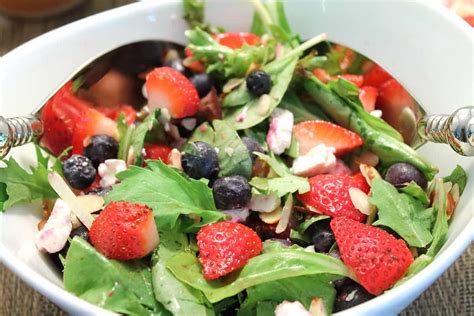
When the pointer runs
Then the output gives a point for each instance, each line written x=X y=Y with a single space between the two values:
x=251 y=173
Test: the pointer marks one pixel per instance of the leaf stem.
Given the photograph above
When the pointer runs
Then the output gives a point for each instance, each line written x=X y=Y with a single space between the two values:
x=306 y=45
x=262 y=11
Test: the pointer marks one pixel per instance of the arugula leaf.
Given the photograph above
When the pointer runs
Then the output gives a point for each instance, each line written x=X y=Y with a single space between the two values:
x=18 y=185
x=459 y=177
x=232 y=63
x=170 y=194
x=122 y=287
x=275 y=163
x=402 y=213
x=302 y=288
x=204 y=133
x=193 y=13
x=260 y=269
x=132 y=138
x=414 y=190
x=440 y=227
x=176 y=297
x=419 y=264
x=301 y=111
x=301 y=234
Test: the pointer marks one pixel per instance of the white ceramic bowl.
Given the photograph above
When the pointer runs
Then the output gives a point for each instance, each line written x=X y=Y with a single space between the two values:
x=423 y=45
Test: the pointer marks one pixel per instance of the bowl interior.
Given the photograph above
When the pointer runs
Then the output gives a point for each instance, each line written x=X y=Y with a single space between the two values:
x=381 y=31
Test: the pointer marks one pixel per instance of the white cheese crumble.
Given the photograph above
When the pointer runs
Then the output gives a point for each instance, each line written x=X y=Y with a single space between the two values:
x=320 y=159
x=281 y=128
x=264 y=203
x=53 y=236
x=286 y=308
x=108 y=169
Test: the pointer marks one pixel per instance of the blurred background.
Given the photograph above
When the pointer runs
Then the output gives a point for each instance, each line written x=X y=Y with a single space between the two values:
x=22 y=20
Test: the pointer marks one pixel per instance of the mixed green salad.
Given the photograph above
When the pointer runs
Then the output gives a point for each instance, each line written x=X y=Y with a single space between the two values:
x=251 y=173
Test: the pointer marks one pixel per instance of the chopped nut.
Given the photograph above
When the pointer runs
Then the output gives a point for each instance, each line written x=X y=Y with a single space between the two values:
x=369 y=173
x=361 y=201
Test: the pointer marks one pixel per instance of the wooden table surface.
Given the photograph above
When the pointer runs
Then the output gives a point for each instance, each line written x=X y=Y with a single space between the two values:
x=452 y=294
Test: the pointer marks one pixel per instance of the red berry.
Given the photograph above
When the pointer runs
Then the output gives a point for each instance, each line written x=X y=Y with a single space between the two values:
x=329 y=195
x=114 y=113
x=312 y=133
x=368 y=97
x=377 y=258
x=225 y=247
x=236 y=40
x=124 y=231
x=357 y=80
x=157 y=152
x=376 y=76
x=169 y=89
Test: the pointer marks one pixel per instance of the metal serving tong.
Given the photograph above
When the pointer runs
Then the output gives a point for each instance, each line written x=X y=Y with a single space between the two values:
x=456 y=129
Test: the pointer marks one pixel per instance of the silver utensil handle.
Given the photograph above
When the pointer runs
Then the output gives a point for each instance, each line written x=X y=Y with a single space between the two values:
x=456 y=130
x=18 y=131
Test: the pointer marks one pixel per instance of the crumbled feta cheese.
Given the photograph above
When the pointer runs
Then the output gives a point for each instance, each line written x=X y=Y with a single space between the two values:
x=320 y=159
x=108 y=169
x=264 y=203
x=291 y=309
x=376 y=113
x=281 y=128
x=238 y=214
x=53 y=236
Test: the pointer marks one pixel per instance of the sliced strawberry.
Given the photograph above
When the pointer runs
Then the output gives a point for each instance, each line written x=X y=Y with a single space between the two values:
x=377 y=258
x=225 y=247
x=469 y=19
x=368 y=97
x=236 y=40
x=357 y=80
x=376 y=76
x=114 y=113
x=157 y=152
x=322 y=75
x=195 y=65
x=124 y=231
x=329 y=195
x=312 y=133
x=168 y=89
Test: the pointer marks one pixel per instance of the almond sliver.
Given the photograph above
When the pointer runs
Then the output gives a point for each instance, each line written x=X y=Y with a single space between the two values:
x=369 y=173
x=285 y=215
x=361 y=201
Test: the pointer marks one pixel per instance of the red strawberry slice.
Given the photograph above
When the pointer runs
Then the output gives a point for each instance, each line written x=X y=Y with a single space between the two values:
x=322 y=75
x=236 y=40
x=225 y=247
x=376 y=76
x=368 y=97
x=329 y=195
x=124 y=231
x=114 y=113
x=70 y=121
x=157 y=152
x=377 y=258
x=168 y=89
x=312 y=133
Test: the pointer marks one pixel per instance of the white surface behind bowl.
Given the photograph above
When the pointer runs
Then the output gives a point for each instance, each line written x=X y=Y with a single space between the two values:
x=423 y=45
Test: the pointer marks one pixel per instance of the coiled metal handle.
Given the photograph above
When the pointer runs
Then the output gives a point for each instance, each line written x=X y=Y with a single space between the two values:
x=456 y=130
x=18 y=131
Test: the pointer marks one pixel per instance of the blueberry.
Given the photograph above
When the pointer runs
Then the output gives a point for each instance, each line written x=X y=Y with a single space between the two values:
x=252 y=146
x=401 y=173
x=259 y=82
x=177 y=64
x=350 y=294
x=203 y=84
x=101 y=148
x=79 y=171
x=231 y=192
x=100 y=191
x=200 y=161
x=265 y=231
x=322 y=236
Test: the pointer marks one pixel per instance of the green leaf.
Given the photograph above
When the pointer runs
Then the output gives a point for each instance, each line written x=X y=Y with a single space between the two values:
x=176 y=297
x=170 y=194
x=57 y=165
x=18 y=185
x=301 y=235
x=302 y=288
x=459 y=177
x=204 y=133
x=261 y=269
x=193 y=13
x=402 y=213
x=122 y=287
x=417 y=192
x=419 y=264
x=275 y=163
x=281 y=185
x=301 y=111
x=440 y=227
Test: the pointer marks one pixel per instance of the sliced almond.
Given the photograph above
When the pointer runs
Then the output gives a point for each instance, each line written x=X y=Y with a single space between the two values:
x=317 y=307
x=448 y=186
x=263 y=104
x=455 y=192
x=361 y=201
x=232 y=84
x=91 y=203
x=369 y=173
x=285 y=215
x=264 y=203
x=272 y=217
x=175 y=159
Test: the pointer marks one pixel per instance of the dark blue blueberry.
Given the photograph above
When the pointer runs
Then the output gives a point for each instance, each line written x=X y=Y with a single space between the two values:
x=231 y=192
x=322 y=236
x=101 y=148
x=203 y=84
x=259 y=82
x=79 y=171
x=200 y=161
x=350 y=294
x=402 y=173
x=252 y=146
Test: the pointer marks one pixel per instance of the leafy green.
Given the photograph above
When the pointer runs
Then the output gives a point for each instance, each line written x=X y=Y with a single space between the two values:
x=275 y=163
x=122 y=287
x=302 y=234
x=132 y=138
x=402 y=213
x=419 y=264
x=264 y=268
x=417 y=192
x=204 y=133
x=193 y=13
x=232 y=63
x=170 y=194
x=18 y=185
x=440 y=227
x=176 y=297
x=301 y=111
x=301 y=288
x=459 y=177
